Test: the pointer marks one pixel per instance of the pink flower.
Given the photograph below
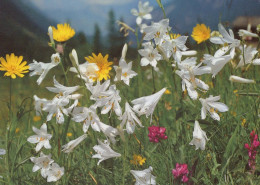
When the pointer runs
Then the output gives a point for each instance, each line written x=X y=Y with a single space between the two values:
x=156 y=133
x=181 y=171
x=252 y=150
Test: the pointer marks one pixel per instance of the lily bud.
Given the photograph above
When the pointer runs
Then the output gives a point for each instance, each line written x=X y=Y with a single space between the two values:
x=124 y=51
x=74 y=58
x=238 y=79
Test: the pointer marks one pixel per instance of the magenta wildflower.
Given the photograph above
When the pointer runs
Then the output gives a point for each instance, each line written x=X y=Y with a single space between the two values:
x=181 y=172
x=156 y=133
x=252 y=150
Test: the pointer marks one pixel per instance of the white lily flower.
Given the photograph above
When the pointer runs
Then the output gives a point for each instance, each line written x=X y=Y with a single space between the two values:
x=174 y=47
x=238 y=79
x=124 y=71
x=246 y=33
x=88 y=116
x=40 y=68
x=149 y=55
x=146 y=105
x=57 y=107
x=130 y=119
x=210 y=105
x=110 y=101
x=39 y=103
x=43 y=162
x=157 y=31
x=87 y=71
x=144 y=177
x=109 y=131
x=143 y=13
x=188 y=71
x=227 y=39
x=249 y=56
x=41 y=137
x=55 y=173
x=61 y=89
x=216 y=63
x=199 y=137
x=67 y=148
x=98 y=90
x=104 y=151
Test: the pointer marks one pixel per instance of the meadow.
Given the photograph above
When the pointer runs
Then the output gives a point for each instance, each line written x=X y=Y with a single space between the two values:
x=147 y=122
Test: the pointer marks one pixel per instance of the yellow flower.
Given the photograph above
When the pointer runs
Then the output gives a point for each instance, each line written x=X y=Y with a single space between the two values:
x=103 y=65
x=69 y=134
x=243 y=122
x=201 y=33
x=167 y=92
x=13 y=66
x=63 y=32
x=138 y=160
x=17 y=130
x=36 y=118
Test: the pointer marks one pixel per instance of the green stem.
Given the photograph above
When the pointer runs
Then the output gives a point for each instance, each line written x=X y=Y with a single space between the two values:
x=66 y=79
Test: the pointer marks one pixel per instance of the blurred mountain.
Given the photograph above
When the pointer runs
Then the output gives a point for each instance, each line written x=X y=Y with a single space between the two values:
x=23 y=30
x=185 y=14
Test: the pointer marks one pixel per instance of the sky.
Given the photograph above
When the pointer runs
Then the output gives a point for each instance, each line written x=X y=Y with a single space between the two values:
x=83 y=14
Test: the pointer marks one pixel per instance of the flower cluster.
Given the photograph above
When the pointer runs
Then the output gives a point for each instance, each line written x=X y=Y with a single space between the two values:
x=252 y=149
x=181 y=172
x=138 y=160
x=156 y=133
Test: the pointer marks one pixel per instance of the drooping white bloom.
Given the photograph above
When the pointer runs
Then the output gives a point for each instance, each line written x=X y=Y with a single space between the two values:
x=188 y=71
x=143 y=13
x=210 y=105
x=173 y=46
x=39 y=103
x=246 y=33
x=249 y=56
x=43 y=162
x=216 y=63
x=61 y=89
x=157 y=31
x=110 y=101
x=109 y=131
x=88 y=116
x=238 y=79
x=67 y=148
x=149 y=55
x=146 y=105
x=41 y=137
x=57 y=106
x=40 y=68
x=199 y=137
x=144 y=177
x=87 y=71
x=55 y=173
x=228 y=38
x=98 y=90
x=104 y=151
x=130 y=119
x=124 y=71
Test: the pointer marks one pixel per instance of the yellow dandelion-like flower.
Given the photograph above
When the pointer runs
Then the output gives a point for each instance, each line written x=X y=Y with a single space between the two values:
x=63 y=32
x=103 y=65
x=69 y=134
x=13 y=66
x=138 y=160
x=201 y=33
